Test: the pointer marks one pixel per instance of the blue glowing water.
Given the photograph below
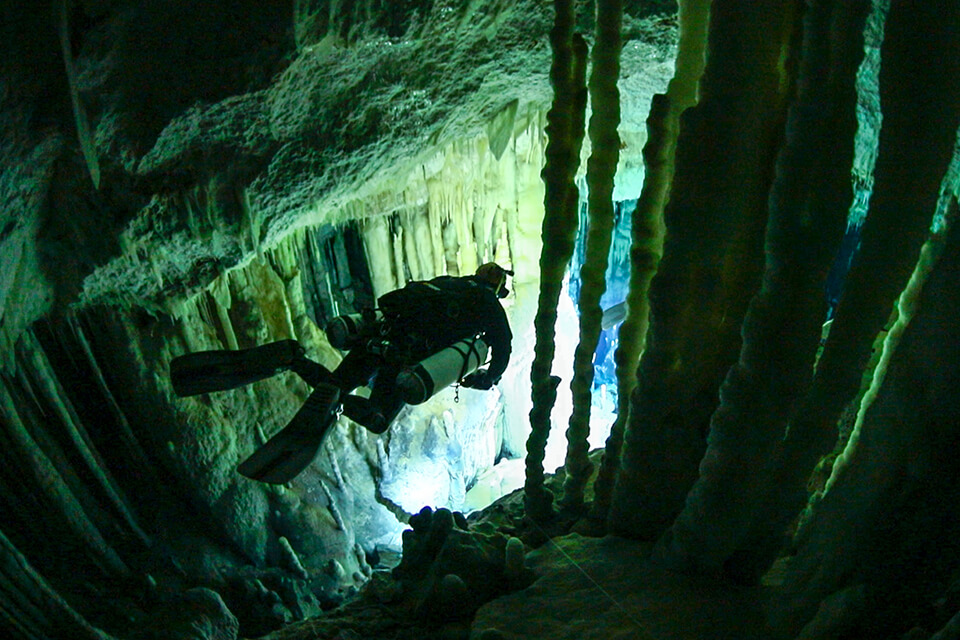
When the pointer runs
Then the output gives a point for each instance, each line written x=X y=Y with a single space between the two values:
x=618 y=283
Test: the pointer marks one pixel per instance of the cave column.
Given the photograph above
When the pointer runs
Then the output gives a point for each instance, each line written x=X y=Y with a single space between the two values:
x=601 y=168
x=712 y=259
x=565 y=130
x=647 y=229
x=920 y=101
x=809 y=200
x=885 y=527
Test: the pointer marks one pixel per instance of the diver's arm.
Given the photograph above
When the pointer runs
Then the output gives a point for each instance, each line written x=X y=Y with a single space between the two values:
x=498 y=336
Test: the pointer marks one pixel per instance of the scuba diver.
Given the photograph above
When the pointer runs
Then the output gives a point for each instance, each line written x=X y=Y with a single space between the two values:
x=420 y=339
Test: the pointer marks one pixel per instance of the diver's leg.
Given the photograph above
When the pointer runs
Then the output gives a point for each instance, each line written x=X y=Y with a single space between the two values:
x=313 y=373
x=206 y=371
x=355 y=370
x=381 y=408
x=374 y=417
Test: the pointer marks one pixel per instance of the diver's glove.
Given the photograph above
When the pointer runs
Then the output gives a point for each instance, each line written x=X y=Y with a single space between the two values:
x=480 y=379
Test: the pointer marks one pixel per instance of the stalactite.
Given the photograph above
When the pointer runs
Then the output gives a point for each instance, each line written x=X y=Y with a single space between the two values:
x=285 y=260
x=19 y=610
x=460 y=182
x=781 y=331
x=435 y=224
x=423 y=240
x=399 y=263
x=920 y=98
x=601 y=168
x=261 y=284
x=43 y=429
x=378 y=246
x=565 y=131
x=647 y=228
x=84 y=135
x=461 y=205
x=416 y=251
x=711 y=263
x=451 y=247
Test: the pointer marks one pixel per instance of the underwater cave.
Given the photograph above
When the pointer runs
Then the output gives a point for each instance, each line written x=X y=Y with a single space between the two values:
x=732 y=408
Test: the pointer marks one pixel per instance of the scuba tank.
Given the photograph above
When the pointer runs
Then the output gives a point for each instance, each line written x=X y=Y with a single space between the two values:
x=348 y=331
x=420 y=382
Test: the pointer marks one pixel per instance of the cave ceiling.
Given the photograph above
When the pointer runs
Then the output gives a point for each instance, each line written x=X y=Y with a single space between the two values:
x=213 y=138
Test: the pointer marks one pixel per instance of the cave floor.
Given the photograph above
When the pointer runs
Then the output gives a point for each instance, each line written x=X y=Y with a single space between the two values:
x=585 y=589
x=606 y=589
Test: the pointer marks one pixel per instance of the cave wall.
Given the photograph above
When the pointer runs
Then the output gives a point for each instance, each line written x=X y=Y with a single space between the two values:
x=174 y=459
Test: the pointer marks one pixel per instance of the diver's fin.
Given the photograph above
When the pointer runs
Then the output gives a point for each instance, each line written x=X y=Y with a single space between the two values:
x=206 y=371
x=295 y=446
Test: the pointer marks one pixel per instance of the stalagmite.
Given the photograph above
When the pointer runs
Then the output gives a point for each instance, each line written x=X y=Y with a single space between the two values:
x=332 y=506
x=920 y=98
x=291 y=560
x=711 y=263
x=781 y=332
x=565 y=131
x=601 y=167
x=647 y=228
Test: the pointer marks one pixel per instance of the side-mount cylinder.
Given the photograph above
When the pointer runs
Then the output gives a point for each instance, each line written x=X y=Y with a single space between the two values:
x=422 y=381
x=348 y=331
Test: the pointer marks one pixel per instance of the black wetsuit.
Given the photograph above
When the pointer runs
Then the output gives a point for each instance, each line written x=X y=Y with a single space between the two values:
x=419 y=320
